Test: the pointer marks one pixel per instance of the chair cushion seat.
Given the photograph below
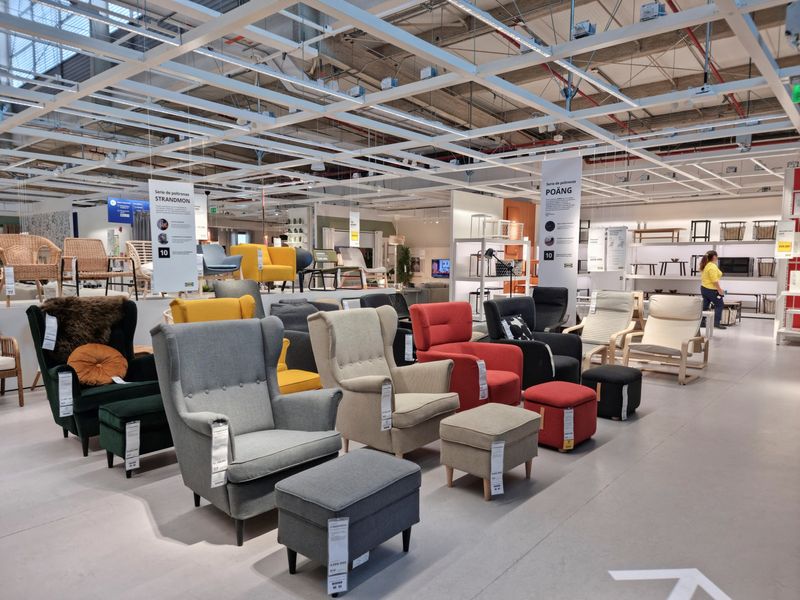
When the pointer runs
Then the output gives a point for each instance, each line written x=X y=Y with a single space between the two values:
x=656 y=349
x=504 y=387
x=412 y=409
x=297 y=380
x=278 y=272
x=561 y=394
x=262 y=453
x=355 y=485
x=92 y=397
x=222 y=268
x=149 y=410
x=7 y=363
x=488 y=423
x=568 y=368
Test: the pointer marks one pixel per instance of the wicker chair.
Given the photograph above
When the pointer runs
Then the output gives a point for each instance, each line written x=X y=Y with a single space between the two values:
x=91 y=262
x=141 y=254
x=33 y=257
x=10 y=366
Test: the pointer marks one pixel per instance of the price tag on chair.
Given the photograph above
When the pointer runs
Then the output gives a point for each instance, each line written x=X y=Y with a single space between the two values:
x=75 y=271
x=483 y=386
x=199 y=265
x=386 y=406
x=132 y=441
x=552 y=360
x=9 y=281
x=260 y=259
x=357 y=562
x=593 y=303
x=50 y=332
x=507 y=329
x=65 y=394
x=219 y=454
x=338 y=550
x=409 y=354
x=119 y=380
x=624 y=415
x=569 y=429
x=496 y=481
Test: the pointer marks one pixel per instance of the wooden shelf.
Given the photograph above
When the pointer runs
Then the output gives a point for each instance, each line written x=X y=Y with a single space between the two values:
x=697 y=278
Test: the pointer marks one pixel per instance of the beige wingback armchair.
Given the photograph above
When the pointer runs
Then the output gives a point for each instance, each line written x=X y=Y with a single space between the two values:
x=603 y=330
x=353 y=351
x=671 y=335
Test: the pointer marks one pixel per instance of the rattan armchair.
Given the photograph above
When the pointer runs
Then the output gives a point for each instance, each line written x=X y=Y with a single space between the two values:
x=89 y=260
x=33 y=257
x=10 y=366
x=141 y=254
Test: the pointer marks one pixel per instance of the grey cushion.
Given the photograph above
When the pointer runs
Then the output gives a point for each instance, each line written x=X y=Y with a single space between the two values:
x=263 y=453
x=355 y=485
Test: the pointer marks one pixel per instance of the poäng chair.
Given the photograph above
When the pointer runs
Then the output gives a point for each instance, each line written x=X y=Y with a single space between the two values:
x=353 y=351
x=551 y=307
x=671 y=335
x=353 y=256
x=609 y=320
x=271 y=436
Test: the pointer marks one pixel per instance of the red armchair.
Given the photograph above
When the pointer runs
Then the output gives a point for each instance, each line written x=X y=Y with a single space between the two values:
x=443 y=330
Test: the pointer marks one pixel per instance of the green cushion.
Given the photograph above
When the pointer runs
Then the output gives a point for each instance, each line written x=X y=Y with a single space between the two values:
x=93 y=397
x=149 y=410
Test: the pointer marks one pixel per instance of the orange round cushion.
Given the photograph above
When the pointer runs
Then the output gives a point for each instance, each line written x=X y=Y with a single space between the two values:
x=96 y=364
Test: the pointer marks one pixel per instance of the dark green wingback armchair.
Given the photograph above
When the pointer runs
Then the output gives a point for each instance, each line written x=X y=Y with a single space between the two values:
x=141 y=377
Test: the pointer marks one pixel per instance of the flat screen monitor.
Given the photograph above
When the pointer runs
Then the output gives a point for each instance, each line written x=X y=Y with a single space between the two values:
x=440 y=268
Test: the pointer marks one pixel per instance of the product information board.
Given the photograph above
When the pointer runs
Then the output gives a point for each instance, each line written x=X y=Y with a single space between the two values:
x=121 y=210
x=172 y=210
x=596 y=249
x=559 y=224
x=616 y=248
x=201 y=216
x=355 y=229
x=785 y=239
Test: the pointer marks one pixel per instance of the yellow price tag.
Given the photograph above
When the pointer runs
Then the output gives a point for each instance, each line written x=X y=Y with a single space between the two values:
x=784 y=246
x=569 y=444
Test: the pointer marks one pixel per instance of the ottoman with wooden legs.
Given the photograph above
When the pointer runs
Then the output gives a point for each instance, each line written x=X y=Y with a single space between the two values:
x=467 y=439
x=618 y=388
x=377 y=492
x=568 y=412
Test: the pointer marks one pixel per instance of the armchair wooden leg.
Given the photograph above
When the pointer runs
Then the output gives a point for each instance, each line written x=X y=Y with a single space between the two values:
x=528 y=468
x=487 y=490
x=449 y=472
x=346 y=445
x=292 y=556
x=398 y=454
x=239 y=531
x=85 y=445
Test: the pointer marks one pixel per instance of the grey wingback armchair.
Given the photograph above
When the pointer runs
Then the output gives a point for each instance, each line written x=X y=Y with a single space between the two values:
x=353 y=350
x=205 y=382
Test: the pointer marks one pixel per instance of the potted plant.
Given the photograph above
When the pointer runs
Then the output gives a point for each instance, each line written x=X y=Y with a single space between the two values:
x=404 y=273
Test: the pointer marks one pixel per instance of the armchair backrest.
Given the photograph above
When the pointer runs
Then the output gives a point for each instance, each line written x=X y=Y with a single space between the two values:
x=551 y=306
x=236 y=288
x=441 y=323
x=613 y=313
x=353 y=343
x=396 y=301
x=495 y=310
x=673 y=320
x=141 y=251
x=23 y=249
x=352 y=257
x=294 y=316
x=201 y=368
x=91 y=253
x=212 y=309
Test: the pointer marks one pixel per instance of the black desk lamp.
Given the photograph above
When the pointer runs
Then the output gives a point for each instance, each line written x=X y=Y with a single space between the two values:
x=509 y=266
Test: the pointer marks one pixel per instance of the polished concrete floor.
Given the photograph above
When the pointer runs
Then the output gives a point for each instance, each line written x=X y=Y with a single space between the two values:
x=707 y=477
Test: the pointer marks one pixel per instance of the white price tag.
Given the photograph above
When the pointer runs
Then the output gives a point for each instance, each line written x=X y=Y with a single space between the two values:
x=338 y=551
x=50 y=332
x=132 y=442
x=409 y=347
x=260 y=259
x=593 y=303
x=9 y=281
x=624 y=415
x=483 y=387
x=219 y=454
x=386 y=406
x=507 y=330
x=65 y=394
x=569 y=429
x=361 y=560
x=498 y=449
x=118 y=380
x=75 y=271
x=199 y=265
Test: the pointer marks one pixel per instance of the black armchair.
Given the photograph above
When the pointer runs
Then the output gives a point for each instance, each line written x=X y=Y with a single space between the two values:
x=405 y=334
x=109 y=321
x=294 y=316
x=551 y=308
x=537 y=366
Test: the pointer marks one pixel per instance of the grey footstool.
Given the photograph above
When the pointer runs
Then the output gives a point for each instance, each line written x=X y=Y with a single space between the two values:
x=378 y=492
x=467 y=439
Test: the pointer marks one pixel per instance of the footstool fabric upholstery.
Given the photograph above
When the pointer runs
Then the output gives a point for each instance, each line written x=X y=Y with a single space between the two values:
x=618 y=388
x=467 y=438
x=553 y=401
x=378 y=492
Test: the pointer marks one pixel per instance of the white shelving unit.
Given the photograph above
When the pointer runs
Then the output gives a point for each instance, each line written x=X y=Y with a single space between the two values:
x=462 y=283
x=785 y=316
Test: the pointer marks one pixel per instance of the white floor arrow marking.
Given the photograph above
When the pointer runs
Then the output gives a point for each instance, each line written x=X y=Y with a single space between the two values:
x=688 y=582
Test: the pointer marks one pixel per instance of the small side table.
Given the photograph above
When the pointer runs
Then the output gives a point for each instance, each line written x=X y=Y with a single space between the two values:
x=681 y=264
x=651 y=266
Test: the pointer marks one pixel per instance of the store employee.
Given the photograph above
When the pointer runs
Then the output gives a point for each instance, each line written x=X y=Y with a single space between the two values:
x=710 y=288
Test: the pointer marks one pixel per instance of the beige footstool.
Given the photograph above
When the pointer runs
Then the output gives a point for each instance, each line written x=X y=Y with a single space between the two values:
x=467 y=439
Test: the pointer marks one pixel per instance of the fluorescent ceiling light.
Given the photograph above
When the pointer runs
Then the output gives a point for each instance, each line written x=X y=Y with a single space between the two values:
x=22 y=102
x=419 y=120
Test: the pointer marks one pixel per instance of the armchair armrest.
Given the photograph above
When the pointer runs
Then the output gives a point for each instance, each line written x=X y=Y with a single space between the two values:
x=498 y=357
x=423 y=377
x=234 y=261
x=536 y=364
x=307 y=411
x=615 y=337
x=142 y=368
x=368 y=384
x=563 y=344
x=284 y=256
x=555 y=327
x=575 y=328
x=202 y=421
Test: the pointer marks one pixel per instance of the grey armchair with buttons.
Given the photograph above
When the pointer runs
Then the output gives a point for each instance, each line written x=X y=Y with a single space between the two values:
x=225 y=372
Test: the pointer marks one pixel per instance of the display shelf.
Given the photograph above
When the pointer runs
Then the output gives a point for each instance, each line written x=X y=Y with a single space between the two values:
x=492 y=278
x=499 y=241
x=696 y=278
x=717 y=243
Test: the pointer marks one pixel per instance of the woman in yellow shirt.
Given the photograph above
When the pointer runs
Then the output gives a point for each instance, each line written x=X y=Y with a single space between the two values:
x=710 y=288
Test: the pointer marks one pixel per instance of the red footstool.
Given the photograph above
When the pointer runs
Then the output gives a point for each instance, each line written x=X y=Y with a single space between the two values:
x=568 y=410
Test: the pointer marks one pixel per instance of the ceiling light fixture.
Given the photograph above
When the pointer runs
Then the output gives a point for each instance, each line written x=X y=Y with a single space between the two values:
x=318 y=165
x=419 y=120
x=28 y=103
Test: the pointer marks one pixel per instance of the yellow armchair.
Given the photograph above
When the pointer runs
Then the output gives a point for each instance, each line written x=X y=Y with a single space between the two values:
x=212 y=309
x=295 y=380
x=277 y=263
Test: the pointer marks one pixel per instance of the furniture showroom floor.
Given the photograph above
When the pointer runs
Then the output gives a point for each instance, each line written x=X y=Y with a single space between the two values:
x=705 y=477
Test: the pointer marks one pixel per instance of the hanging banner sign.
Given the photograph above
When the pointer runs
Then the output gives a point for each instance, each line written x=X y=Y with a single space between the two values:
x=355 y=229
x=596 y=249
x=172 y=226
x=559 y=226
x=616 y=248
x=201 y=216
x=121 y=210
